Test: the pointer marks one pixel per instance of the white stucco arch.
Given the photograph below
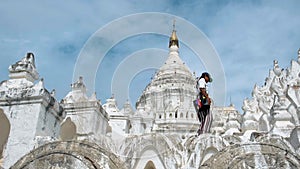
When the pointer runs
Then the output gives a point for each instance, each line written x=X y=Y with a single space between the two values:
x=150 y=154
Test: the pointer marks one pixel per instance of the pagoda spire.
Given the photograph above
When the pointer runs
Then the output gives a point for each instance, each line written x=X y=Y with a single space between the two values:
x=173 y=38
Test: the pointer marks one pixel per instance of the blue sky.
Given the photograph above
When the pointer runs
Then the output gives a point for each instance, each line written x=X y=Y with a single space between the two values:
x=248 y=36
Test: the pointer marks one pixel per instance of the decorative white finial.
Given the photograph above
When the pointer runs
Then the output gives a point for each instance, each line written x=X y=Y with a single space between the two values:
x=276 y=68
x=93 y=97
x=298 y=56
x=24 y=68
x=53 y=93
x=275 y=63
x=79 y=85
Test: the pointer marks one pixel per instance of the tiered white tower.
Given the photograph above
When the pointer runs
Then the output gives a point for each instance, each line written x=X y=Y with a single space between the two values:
x=166 y=102
x=30 y=115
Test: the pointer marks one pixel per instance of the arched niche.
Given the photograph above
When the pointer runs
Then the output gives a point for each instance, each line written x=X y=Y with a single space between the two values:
x=108 y=129
x=264 y=123
x=149 y=155
x=150 y=165
x=68 y=130
x=208 y=153
x=4 y=131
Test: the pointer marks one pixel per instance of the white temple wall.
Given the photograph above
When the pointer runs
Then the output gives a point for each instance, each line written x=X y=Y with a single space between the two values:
x=118 y=129
x=48 y=124
x=20 y=142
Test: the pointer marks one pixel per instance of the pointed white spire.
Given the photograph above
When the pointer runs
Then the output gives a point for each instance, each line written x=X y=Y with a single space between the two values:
x=53 y=93
x=93 y=97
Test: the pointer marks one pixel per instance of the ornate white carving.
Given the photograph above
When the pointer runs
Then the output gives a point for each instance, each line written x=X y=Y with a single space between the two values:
x=24 y=68
x=274 y=106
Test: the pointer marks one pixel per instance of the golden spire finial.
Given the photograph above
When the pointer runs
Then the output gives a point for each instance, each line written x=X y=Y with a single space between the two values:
x=173 y=38
x=174 y=21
